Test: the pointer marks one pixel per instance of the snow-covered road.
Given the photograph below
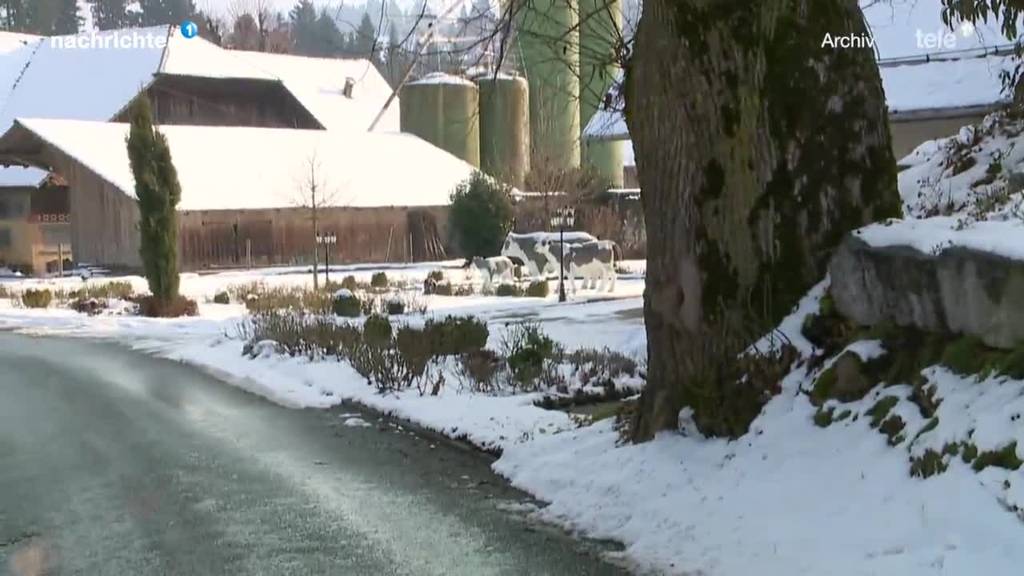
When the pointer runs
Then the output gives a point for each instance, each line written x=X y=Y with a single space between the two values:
x=117 y=463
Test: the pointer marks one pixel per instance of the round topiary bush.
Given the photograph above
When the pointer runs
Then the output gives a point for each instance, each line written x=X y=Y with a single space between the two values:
x=379 y=280
x=509 y=290
x=481 y=215
x=377 y=330
x=456 y=335
x=33 y=298
x=349 y=283
x=538 y=289
x=395 y=307
x=221 y=298
x=347 y=304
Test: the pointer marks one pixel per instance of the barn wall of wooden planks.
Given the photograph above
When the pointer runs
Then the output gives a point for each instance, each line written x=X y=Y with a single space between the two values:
x=104 y=229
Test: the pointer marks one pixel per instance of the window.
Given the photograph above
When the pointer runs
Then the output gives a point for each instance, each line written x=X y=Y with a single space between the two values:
x=53 y=235
x=12 y=207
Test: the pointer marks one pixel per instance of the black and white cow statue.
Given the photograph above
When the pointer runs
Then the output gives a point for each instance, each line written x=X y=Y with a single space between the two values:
x=593 y=261
x=533 y=251
x=498 y=268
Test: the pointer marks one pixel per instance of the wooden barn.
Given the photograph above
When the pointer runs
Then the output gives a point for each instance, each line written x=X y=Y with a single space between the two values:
x=246 y=192
x=190 y=82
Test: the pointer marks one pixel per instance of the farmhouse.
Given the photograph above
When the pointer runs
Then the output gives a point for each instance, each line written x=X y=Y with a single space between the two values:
x=302 y=107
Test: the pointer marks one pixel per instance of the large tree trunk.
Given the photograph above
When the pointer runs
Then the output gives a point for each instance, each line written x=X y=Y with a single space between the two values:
x=757 y=150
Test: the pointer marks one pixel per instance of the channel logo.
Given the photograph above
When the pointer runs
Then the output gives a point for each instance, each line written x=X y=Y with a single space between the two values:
x=189 y=29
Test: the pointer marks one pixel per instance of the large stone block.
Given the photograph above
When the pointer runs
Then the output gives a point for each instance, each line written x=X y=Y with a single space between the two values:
x=958 y=290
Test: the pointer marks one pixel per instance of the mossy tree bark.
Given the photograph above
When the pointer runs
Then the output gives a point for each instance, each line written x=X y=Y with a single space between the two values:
x=757 y=150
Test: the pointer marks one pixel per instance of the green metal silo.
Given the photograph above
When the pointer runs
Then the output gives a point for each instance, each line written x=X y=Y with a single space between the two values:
x=505 y=127
x=548 y=43
x=444 y=110
x=600 y=27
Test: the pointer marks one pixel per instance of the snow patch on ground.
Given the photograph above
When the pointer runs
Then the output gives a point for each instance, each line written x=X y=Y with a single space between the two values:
x=933 y=235
x=970 y=169
x=966 y=190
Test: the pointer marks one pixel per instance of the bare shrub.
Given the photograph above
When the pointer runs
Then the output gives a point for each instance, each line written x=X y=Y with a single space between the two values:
x=152 y=307
x=532 y=357
x=479 y=370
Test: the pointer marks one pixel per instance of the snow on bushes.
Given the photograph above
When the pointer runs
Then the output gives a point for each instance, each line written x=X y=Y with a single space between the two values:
x=977 y=174
x=395 y=356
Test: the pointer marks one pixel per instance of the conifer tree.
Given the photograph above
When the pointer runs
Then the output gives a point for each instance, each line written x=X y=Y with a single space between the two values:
x=68 y=21
x=158 y=193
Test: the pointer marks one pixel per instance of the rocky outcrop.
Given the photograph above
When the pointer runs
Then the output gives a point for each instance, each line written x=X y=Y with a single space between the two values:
x=958 y=290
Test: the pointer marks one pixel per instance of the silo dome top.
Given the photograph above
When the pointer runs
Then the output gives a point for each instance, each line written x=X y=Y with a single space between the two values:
x=491 y=75
x=442 y=78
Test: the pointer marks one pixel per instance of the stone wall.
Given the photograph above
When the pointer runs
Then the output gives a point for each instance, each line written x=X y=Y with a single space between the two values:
x=959 y=290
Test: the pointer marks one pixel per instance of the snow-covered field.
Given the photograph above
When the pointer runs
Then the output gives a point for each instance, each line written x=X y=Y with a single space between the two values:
x=788 y=498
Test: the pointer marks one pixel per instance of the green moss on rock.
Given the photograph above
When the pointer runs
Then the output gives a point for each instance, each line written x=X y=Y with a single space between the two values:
x=844 y=381
x=881 y=409
x=927 y=465
x=968 y=452
x=893 y=427
x=965 y=356
x=823 y=417
x=1005 y=457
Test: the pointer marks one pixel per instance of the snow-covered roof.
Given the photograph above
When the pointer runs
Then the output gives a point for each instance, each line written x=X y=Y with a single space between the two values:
x=223 y=168
x=609 y=122
x=319 y=84
x=15 y=52
x=11 y=41
x=46 y=79
x=83 y=83
x=201 y=58
x=945 y=84
x=42 y=78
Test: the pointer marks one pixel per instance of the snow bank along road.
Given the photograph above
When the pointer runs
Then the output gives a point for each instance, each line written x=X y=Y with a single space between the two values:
x=116 y=463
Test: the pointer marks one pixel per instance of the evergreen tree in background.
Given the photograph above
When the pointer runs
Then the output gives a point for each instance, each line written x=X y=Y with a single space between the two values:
x=113 y=14
x=365 y=43
x=329 y=41
x=396 y=58
x=15 y=17
x=303 y=20
x=158 y=192
x=67 y=20
x=210 y=28
x=45 y=17
x=163 y=12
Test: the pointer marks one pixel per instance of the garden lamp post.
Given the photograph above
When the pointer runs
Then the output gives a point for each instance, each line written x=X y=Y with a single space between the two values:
x=329 y=239
x=564 y=217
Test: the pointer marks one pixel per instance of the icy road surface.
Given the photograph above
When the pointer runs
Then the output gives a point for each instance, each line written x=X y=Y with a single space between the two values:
x=112 y=462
